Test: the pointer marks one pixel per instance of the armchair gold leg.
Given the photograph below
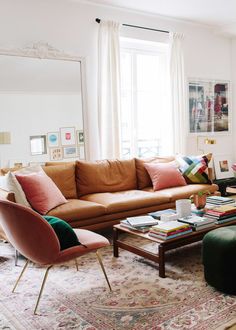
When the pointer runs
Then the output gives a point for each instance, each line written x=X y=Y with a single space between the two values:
x=103 y=269
x=22 y=272
x=76 y=264
x=42 y=287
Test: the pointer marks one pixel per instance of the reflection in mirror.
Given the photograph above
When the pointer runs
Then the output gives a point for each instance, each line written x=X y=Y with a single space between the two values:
x=38 y=145
x=39 y=97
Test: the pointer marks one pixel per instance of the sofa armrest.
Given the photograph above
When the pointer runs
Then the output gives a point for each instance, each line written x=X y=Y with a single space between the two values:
x=9 y=195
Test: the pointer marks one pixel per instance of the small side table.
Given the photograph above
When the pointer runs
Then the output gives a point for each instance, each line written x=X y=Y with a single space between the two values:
x=224 y=183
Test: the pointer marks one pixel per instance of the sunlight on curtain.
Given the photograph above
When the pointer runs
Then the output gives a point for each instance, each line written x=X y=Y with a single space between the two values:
x=178 y=93
x=109 y=89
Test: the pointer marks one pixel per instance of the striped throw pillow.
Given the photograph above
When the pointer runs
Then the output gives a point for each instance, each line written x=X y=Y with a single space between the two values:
x=195 y=168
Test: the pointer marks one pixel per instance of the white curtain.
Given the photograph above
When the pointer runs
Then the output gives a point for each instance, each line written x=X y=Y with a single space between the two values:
x=178 y=93
x=109 y=89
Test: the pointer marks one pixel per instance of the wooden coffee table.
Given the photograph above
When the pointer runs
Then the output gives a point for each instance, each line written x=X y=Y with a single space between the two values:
x=163 y=246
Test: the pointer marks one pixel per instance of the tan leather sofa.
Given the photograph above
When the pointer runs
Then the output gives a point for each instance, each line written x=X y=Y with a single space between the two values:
x=101 y=193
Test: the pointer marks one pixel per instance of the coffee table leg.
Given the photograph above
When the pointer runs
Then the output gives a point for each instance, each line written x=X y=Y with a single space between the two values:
x=161 y=254
x=115 y=246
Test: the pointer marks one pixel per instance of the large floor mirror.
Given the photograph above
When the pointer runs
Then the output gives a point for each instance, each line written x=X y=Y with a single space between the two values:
x=42 y=106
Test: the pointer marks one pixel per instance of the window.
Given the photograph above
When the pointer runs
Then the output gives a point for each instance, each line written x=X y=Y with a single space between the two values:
x=145 y=111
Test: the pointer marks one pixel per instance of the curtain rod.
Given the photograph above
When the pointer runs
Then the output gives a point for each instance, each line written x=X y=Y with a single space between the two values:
x=98 y=20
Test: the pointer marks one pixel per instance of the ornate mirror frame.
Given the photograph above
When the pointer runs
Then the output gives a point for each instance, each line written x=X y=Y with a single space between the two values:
x=43 y=50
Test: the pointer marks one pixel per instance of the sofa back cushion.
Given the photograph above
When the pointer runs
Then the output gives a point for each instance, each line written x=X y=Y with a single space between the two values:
x=143 y=178
x=64 y=177
x=59 y=163
x=105 y=176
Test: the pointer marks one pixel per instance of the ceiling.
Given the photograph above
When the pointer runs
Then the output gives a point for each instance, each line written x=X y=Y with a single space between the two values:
x=219 y=15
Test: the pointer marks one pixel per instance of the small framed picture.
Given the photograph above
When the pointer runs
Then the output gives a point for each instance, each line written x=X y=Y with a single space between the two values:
x=53 y=139
x=56 y=153
x=38 y=145
x=70 y=152
x=81 y=152
x=223 y=164
x=80 y=137
x=67 y=136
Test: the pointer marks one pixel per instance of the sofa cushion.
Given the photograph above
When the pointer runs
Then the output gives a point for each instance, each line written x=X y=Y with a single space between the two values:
x=143 y=178
x=175 y=193
x=40 y=191
x=127 y=200
x=64 y=178
x=76 y=209
x=195 y=168
x=164 y=176
x=11 y=184
x=59 y=163
x=105 y=176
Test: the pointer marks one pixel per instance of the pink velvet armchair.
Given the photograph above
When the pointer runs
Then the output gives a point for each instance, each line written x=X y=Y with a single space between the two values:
x=36 y=240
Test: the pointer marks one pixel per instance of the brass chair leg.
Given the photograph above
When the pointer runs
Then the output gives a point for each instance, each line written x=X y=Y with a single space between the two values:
x=103 y=269
x=76 y=264
x=22 y=272
x=16 y=256
x=42 y=287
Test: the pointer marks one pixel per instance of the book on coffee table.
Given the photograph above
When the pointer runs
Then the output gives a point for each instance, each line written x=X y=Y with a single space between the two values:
x=220 y=200
x=170 y=226
x=196 y=221
x=126 y=224
x=158 y=214
x=141 y=221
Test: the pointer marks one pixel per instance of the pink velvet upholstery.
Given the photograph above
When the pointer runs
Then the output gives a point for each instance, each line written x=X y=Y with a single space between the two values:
x=35 y=239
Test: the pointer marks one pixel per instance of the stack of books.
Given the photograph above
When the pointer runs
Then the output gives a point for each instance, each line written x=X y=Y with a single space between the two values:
x=141 y=223
x=198 y=223
x=219 y=200
x=170 y=229
x=222 y=213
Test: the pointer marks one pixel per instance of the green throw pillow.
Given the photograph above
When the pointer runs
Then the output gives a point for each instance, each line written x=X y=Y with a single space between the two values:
x=64 y=232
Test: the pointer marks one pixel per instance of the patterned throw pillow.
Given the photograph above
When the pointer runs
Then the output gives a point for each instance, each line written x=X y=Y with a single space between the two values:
x=195 y=168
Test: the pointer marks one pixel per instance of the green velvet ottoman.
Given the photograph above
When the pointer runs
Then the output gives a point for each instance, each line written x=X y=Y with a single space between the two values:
x=219 y=258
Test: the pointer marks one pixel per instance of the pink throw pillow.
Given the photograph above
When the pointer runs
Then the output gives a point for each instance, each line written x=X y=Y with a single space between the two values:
x=41 y=192
x=164 y=176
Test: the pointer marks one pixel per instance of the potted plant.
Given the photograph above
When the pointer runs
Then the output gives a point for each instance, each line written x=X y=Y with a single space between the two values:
x=199 y=199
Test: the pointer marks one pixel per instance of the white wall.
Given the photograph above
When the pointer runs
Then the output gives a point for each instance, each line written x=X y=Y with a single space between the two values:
x=71 y=26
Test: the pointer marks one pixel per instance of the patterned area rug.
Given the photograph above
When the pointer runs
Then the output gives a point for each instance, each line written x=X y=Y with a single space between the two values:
x=140 y=299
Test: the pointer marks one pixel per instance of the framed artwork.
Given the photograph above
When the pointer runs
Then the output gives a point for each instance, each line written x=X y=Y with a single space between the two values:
x=56 y=153
x=70 y=152
x=53 y=139
x=81 y=152
x=18 y=163
x=38 y=145
x=80 y=137
x=67 y=136
x=223 y=167
x=209 y=108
